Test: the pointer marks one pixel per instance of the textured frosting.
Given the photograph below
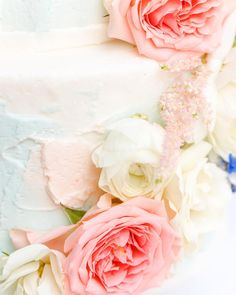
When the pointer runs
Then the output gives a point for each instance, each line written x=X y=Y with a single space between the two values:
x=43 y=25
x=23 y=42
x=56 y=97
x=83 y=87
x=44 y=15
x=72 y=179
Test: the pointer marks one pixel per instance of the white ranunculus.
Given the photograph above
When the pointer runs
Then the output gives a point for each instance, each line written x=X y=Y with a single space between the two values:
x=33 y=270
x=197 y=196
x=129 y=158
x=223 y=137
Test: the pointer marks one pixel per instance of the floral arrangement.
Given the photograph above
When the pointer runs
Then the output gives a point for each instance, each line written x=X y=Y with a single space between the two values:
x=151 y=190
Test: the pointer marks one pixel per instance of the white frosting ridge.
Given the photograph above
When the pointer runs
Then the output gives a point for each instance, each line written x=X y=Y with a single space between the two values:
x=81 y=88
x=23 y=42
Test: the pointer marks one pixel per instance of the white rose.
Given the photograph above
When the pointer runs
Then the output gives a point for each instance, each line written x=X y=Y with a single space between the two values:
x=216 y=58
x=223 y=137
x=33 y=270
x=197 y=196
x=129 y=158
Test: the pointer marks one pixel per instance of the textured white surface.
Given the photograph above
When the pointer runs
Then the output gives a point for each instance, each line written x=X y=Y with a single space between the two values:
x=28 y=42
x=44 y=15
x=41 y=25
x=80 y=88
x=59 y=95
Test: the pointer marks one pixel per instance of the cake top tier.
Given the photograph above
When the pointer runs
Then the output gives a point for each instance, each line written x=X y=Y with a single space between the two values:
x=46 y=15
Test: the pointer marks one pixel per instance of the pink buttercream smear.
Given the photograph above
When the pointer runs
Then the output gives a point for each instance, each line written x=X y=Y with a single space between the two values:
x=72 y=176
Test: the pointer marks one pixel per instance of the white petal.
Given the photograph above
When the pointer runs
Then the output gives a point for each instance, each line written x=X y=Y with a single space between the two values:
x=19 y=273
x=229 y=31
x=30 y=283
x=194 y=154
x=24 y=256
x=19 y=288
x=47 y=285
x=56 y=261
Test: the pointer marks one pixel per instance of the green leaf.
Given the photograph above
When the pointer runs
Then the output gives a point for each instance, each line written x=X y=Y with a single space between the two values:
x=5 y=253
x=73 y=215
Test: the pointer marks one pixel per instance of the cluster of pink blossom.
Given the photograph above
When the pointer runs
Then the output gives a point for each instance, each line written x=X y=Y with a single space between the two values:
x=183 y=105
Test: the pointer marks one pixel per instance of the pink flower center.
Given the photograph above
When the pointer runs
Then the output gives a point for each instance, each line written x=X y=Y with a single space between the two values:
x=176 y=18
x=120 y=259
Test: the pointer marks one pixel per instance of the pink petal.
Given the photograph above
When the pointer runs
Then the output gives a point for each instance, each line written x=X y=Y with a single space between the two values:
x=118 y=19
x=114 y=278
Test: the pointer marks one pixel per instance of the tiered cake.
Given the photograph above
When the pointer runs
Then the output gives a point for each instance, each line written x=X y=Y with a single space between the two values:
x=88 y=123
x=56 y=83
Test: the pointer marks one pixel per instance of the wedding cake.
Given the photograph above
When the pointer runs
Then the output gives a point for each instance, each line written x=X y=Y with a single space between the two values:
x=94 y=115
x=56 y=93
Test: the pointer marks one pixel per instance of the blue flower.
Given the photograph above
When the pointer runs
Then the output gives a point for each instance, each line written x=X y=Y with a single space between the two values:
x=233 y=188
x=231 y=168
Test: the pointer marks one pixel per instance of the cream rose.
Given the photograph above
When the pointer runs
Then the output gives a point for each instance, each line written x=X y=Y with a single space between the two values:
x=129 y=158
x=197 y=195
x=223 y=137
x=32 y=270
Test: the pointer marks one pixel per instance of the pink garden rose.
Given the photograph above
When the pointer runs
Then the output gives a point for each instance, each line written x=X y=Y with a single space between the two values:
x=162 y=29
x=120 y=250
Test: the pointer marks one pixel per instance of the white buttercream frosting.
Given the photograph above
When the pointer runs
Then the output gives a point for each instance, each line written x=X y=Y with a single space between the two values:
x=23 y=197
x=51 y=24
x=55 y=97
x=23 y=42
x=44 y=15
x=81 y=88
